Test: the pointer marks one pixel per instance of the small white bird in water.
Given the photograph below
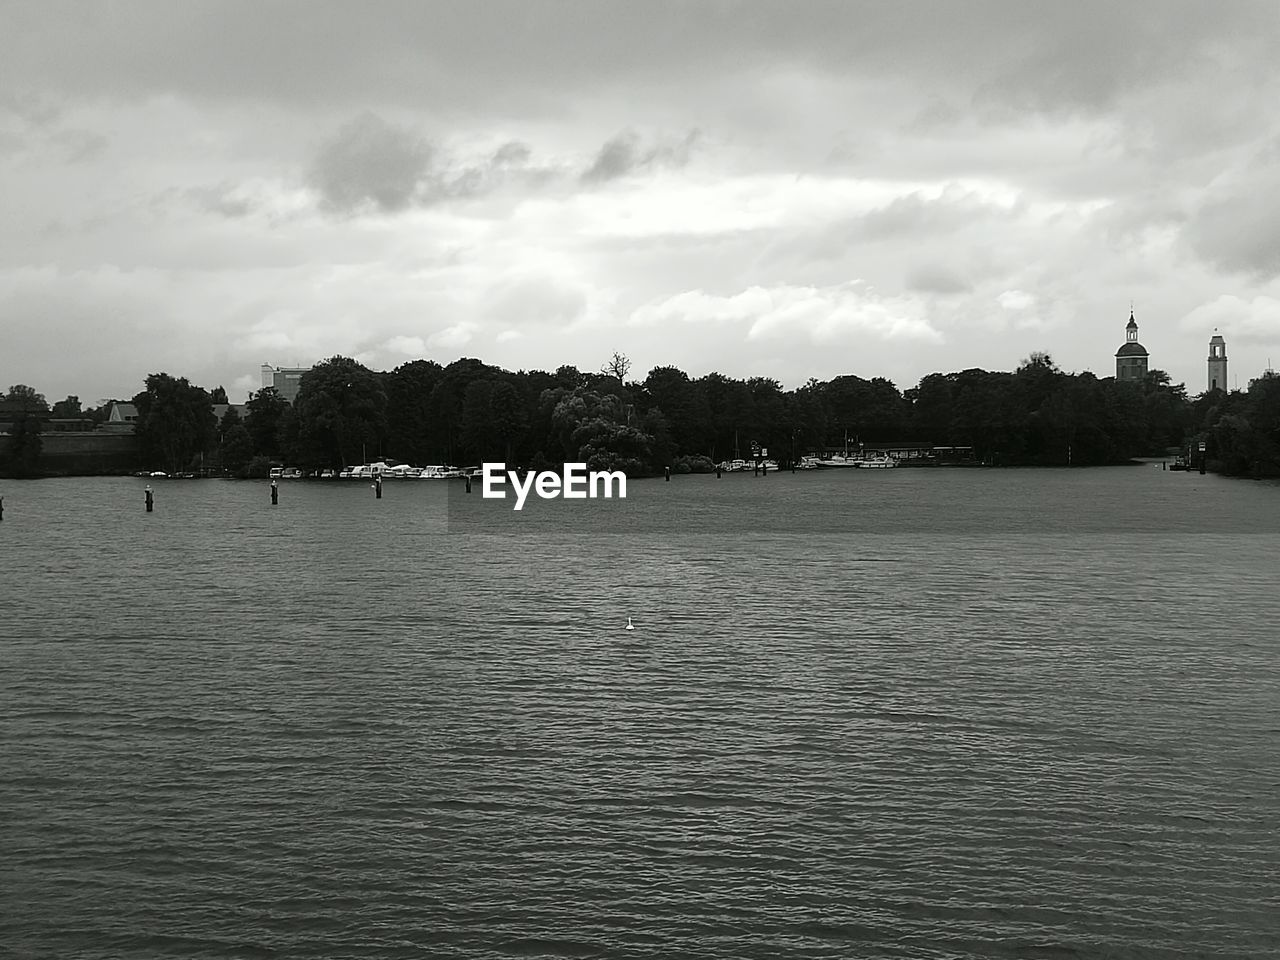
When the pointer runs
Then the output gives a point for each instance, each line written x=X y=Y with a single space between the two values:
x=629 y=626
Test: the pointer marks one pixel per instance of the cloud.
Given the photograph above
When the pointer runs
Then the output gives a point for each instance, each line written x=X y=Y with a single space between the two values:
x=225 y=199
x=512 y=154
x=524 y=301
x=1254 y=321
x=371 y=165
x=821 y=315
x=409 y=346
x=935 y=278
x=1016 y=300
x=80 y=146
x=453 y=337
x=370 y=162
x=623 y=155
x=1235 y=228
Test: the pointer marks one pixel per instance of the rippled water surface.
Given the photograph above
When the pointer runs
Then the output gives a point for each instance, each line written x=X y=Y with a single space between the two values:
x=912 y=713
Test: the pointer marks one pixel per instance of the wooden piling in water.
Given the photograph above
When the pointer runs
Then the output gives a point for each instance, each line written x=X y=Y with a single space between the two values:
x=667 y=471
x=150 y=500
x=275 y=493
x=377 y=487
x=468 y=483
x=1 y=508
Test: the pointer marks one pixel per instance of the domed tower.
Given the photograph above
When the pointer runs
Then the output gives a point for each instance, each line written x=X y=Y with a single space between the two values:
x=1217 y=362
x=1131 y=358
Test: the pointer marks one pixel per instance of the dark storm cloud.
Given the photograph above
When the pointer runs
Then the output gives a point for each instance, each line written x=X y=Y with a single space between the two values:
x=513 y=154
x=1032 y=54
x=370 y=161
x=1239 y=233
x=623 y=155
x=370 y=164
x=616 y=158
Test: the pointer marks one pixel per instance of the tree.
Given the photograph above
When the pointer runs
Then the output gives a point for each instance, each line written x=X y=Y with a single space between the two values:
x=219 y=395
x=617 y=366
x=25 y=398
x=264 y=413
x=67 y=409
x=235 y=443
x=341 y=409
x=409 y=424
x=25 y=408
x=684 y=408
x=175 y=421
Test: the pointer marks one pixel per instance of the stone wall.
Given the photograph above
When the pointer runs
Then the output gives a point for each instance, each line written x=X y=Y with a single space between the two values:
x=86 y=452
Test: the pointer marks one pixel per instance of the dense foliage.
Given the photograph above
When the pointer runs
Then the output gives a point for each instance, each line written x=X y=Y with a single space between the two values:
x=175 y=422
x=24 y=409
x=469 y=412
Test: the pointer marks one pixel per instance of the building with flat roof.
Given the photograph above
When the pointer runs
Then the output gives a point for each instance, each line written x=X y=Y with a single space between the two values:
x=286 y=380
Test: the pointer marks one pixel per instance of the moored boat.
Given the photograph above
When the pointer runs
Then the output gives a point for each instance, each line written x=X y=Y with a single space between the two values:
x=876 y=463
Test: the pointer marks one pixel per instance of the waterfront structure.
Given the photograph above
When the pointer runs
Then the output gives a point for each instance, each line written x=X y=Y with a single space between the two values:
x=122 y=418
x=286 y=380
x=1132 y=357
x=1217 y=362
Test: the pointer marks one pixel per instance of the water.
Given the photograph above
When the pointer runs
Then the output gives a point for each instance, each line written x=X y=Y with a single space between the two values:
x=916 y=714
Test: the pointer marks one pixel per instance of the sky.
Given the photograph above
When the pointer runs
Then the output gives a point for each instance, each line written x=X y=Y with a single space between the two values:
x=793 y=190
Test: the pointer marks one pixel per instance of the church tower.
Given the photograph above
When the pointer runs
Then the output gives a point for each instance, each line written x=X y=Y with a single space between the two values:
x=1131 y=358
x=1217 y=362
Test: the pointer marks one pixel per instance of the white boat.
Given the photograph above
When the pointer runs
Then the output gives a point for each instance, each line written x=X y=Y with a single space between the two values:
x=836 y=461
x=876 y=463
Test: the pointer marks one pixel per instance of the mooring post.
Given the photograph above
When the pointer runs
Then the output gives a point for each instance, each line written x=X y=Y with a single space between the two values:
x=150 y=500
x=377 y=487
x=717 y=471
x=667 y=471
x=275 y=493
x=764 y=469
x=1 y=508
x=468 y=479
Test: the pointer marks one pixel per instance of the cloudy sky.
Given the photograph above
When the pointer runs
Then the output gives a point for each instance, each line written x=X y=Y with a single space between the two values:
x=795 y=190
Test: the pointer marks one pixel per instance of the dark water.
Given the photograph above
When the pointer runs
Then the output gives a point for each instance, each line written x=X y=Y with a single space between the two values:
x=916 y=714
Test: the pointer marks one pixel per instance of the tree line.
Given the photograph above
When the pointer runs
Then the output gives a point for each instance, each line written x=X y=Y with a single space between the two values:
x=468 y=412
